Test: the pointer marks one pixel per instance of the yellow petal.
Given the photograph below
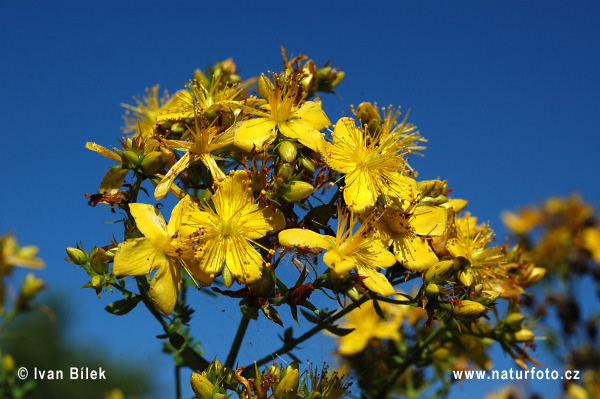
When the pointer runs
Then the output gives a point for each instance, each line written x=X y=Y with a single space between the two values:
x=414 y=252
x=378 y=255
x=312 y=114
x=234 y=195
x=591 y=241
x=211 y=255
x=103 y=151
x=165 y=287
x=137 y=257
x=112 y=181
x=456 y=204
x=429 y=220
x=255 y=134
x=296 y=129
x=244 y=262
x=455 y=248
x=360 y=191
x=149 y=221
x=340 y=263
x=165 y=184
x=376 y=281
x=305 y=238
x=258 y=220
x=176 y=218
x=354 y=342
x=401 y=186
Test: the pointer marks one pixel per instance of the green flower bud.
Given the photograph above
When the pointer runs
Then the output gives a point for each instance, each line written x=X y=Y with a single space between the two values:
x=353 y=293
x=288 y=151
x=339 y=76
x=201 y=386
x=130 y=159
x=432 y=291
x=215 y=369
x=228 y=278
x=296 y=191
x=428 y=186
x=152 y=163
x=233 y=78
x=258 y=182
x=308 y=164
x=31 y=287
x=466 y=277
x=286 y=170
x=324 y=72
x=274 y=370
x=201 y=78
x=178 y=128
x=468 y=310
x=220 y=396
x=523 y=335
x=77 y=256
x=487 y=297
x=440 y=272
x=99 y=261
x=97 y=282
x=264 y=87
x=514 y=320
x=288 y=386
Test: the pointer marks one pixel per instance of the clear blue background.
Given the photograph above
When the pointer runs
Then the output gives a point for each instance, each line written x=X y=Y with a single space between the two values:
x=506 y=92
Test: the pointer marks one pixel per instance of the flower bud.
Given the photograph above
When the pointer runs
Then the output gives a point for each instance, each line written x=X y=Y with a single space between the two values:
x=296 y=191
x=428 y=186
x=220 y=396
x=274 y=370
x=514 y=320
x=468 y=310
x=456 y=204
x=487 y=297
x=77 y=256
x=96 y=282
x=440 y=272
x=286 y=170
x=258 y=182
x=433 y=201
x=534 y=276
x=177 y=128
x=8 y=363
x=31 y=287
x=466 y=277
x=227 y=277
x=201 y=78
x=339 y=76
x=265 y=87
x=366 y=113
x=353 y=293
x=432 y=291
x=308 y=164
x=201 y=386
x=324 y=72
x=288 y=151
x=152 y=163
x=130 y=159
x=523 y=335
x=99 y=260
x=288 y=386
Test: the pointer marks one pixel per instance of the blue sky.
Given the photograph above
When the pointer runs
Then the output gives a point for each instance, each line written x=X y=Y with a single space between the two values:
x=506 y=92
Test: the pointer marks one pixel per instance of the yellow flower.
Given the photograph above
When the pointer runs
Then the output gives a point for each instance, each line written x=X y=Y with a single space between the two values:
x=591 y=242
x=205 y=141
x=146 y=110
x=11 y=254
x=523 y=222
x=159 y=250
x=373 y=164
x=487 y=263
x=226 y=234
x=368 y=325
x=409 y=229
x=348 y=250
x=282 y=114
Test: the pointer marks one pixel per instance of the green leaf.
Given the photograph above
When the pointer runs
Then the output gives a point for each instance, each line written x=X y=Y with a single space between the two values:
x=339 y=331
x=123 y=306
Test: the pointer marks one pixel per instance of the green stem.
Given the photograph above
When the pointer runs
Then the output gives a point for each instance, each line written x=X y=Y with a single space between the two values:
x=410 y=360
x=292 y=343
x=177 y=382
x=8 y=319
x=237 y=342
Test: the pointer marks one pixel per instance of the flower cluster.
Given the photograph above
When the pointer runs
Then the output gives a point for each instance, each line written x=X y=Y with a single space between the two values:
x=262 y=176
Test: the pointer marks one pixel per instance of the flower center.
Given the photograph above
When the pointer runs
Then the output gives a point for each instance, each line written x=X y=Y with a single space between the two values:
x=227 y=228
